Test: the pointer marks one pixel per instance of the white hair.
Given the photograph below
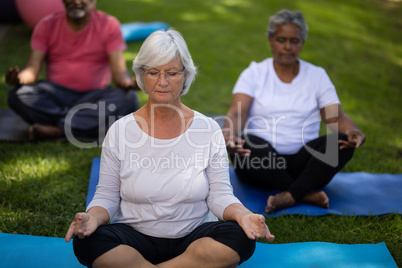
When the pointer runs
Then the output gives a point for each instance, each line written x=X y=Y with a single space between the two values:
x=160 y=48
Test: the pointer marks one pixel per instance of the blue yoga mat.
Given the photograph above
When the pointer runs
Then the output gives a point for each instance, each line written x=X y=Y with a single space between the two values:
x=356 y=193
x=320 y=254
x=93 y=180
x=37 y=252
x=138 y=31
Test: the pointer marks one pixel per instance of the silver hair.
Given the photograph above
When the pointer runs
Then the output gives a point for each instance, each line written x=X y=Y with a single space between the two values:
x=286 y=16
x=159 y=49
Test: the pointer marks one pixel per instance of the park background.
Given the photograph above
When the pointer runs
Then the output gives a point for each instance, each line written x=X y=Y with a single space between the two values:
x=358 y=43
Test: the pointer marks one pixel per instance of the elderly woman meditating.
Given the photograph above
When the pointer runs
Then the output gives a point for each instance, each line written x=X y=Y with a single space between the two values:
x=164 y=168
x=272 y=126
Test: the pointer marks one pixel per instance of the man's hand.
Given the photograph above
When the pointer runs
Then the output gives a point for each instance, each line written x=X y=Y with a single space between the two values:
x=12 y=76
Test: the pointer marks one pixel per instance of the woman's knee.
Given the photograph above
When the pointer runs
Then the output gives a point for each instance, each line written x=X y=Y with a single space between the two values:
x=346 y=154
x=233 y=236
x=256 y=143
x=121 y=256
x=91 y=247
x=207 y=250
x=80 y=247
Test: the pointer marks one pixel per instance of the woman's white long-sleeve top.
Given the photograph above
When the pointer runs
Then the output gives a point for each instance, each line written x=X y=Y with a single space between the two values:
x=164 y=188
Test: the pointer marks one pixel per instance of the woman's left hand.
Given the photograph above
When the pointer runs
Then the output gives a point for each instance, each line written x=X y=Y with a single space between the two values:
x=254 y=226
x=356 y=138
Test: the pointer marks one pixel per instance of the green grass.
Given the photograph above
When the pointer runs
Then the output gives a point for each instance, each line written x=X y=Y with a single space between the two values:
x=358 y=42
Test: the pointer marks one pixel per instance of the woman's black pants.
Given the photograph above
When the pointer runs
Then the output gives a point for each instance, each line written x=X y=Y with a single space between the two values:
x=310 y=169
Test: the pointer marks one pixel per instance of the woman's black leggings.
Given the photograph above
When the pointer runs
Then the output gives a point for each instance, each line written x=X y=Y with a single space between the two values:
x=311 y=168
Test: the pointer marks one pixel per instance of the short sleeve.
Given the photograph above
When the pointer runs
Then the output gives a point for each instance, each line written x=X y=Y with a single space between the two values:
x=247 y=82
x=39 y=36
x=326 y=94
x=114 y=37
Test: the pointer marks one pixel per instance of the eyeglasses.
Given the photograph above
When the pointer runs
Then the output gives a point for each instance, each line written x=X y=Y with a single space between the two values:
x=170 y=76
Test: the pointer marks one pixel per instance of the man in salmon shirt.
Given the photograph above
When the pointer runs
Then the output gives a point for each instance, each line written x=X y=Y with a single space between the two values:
x=83 y=50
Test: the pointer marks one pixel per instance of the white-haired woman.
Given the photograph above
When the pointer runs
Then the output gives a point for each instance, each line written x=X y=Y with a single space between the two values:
x=163 y=169
x=272 y=126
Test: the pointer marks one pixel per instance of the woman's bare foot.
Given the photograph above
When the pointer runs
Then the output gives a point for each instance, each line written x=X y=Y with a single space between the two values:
x=279 y=201
x=317 y=198
x=44 y=132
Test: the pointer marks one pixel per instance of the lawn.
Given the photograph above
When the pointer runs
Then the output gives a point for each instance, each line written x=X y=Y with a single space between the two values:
x=358 y=42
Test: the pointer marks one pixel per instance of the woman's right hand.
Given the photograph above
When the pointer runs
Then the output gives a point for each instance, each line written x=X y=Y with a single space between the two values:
x=235 y=146
x=83 y=225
